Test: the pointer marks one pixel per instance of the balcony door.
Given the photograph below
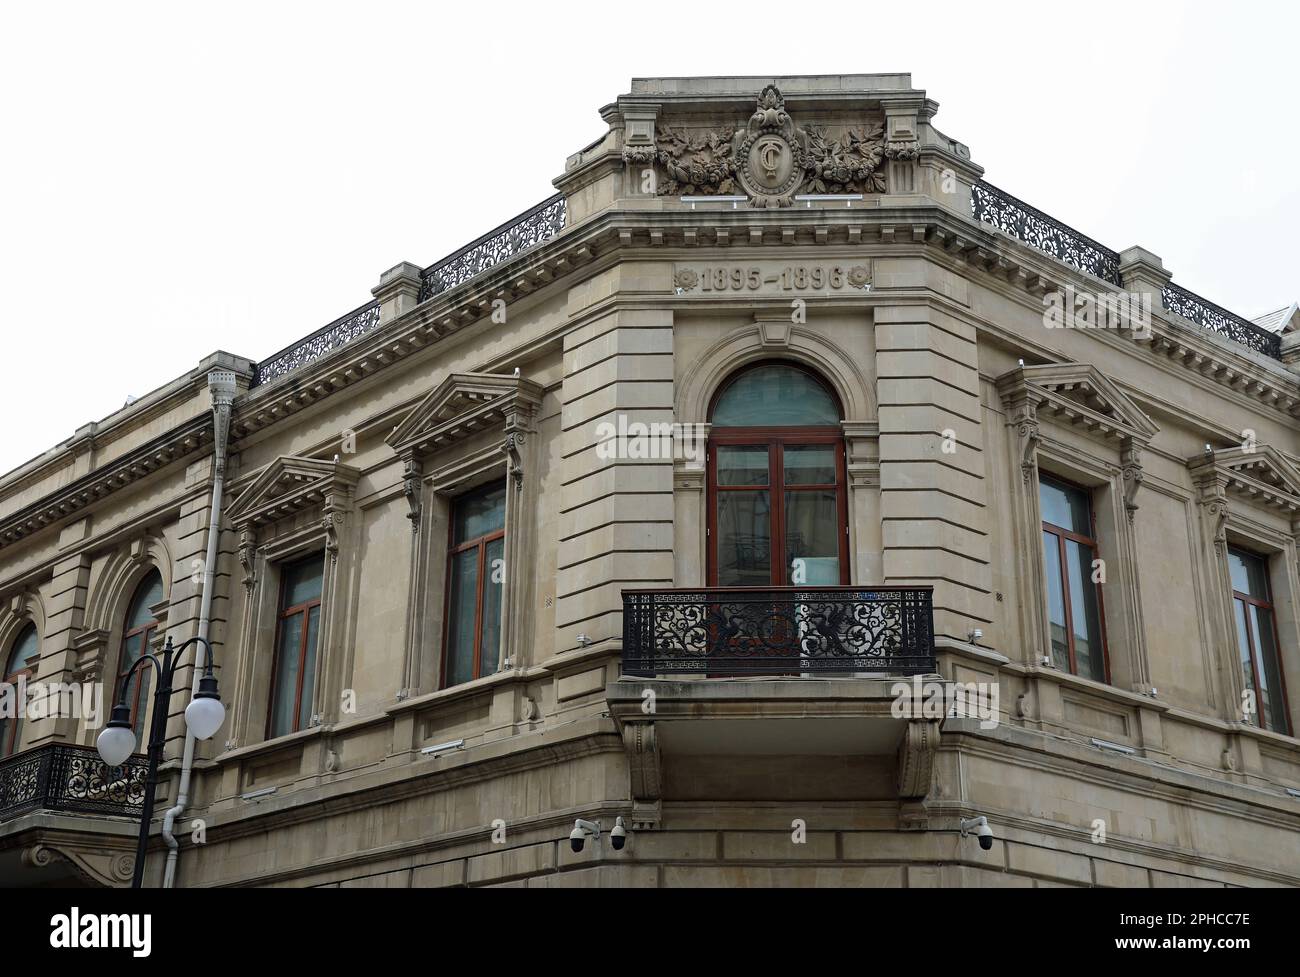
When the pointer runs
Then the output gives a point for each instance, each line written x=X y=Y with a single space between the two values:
x=778 y=511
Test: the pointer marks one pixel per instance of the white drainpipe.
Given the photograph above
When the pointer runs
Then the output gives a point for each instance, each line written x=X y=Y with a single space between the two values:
x=221 y=385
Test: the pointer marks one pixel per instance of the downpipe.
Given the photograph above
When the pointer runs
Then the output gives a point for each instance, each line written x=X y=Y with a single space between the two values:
x=221 y=385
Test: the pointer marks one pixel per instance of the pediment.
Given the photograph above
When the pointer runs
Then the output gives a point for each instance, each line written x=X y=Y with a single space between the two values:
x=1080 y=395
x=1258 y=473
x=463 y=405
x=289 y=484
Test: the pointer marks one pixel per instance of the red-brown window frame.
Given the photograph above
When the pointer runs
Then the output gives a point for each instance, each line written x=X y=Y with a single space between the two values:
x=284 y=614
x=124 y=666
x=1062 y=534
x=453 y=550
x=1253 y=645
x=775 y=439
x=7 y=749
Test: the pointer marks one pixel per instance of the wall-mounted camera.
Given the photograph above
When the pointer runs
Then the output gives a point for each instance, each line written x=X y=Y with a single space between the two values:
x=979 y=827
x=582 y=830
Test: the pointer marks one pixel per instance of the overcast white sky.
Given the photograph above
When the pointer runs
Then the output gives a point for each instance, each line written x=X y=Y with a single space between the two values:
x=181 y=178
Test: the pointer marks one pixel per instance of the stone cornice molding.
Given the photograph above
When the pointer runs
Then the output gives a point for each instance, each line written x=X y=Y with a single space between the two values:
x=597 y=242
x=174 y=446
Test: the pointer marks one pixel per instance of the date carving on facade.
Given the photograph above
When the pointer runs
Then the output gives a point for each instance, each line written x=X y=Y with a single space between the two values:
x=770 y=159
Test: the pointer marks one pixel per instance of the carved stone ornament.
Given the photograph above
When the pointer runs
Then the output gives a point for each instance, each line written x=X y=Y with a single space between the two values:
x=771 y=159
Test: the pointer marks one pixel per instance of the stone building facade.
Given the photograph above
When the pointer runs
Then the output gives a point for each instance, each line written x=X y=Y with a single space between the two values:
x=780 y=487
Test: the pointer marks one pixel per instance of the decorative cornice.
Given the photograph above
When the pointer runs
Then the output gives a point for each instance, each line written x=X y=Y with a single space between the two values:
x=174 y=446
x=462 y=406
x=1259 y=474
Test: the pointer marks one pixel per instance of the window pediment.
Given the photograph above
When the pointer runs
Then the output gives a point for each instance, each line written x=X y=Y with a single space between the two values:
x=463 y=405
x=290 y=484
x=1079 y=395
x=1260 y=475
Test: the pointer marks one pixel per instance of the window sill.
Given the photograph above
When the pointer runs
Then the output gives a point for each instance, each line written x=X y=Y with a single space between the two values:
x=468 y=690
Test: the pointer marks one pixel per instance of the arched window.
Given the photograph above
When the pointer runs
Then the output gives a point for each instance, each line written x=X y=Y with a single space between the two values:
x=23 y=658
x=137 y=632
x=778 y=510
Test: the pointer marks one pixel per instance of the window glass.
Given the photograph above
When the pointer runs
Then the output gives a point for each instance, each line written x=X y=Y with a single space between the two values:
x=1088 y=657
x=297 y=638
x=480 y=513
x=742 y=465
x=1249 y=574
x=775 y=396
x=812 y=543
x=744 y=539
x=1064 y=506
x=26 y=652
x=302 y=581
x=1056 y=602
x=810 y=464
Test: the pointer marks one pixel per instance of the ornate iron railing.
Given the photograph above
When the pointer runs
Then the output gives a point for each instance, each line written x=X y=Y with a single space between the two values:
x=70 y=778
x=778 y=631
x=1209 y=316
x=532 y=227
x=338 y=333
x=1046 y=233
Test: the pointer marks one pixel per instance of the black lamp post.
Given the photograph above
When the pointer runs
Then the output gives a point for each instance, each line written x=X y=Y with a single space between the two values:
x=204 y=716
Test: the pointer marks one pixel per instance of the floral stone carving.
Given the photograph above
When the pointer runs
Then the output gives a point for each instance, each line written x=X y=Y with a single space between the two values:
x=771 y=159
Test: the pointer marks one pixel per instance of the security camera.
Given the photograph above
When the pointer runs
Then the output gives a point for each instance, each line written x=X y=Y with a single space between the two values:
x=582 y=830
x=979 y=827
x=974 y=636
x=618 y=837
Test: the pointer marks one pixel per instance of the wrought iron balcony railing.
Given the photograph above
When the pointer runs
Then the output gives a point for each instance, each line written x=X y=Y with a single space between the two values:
x=1047 y=234
x=515 y=236
x=778 y=631
x=70 y=778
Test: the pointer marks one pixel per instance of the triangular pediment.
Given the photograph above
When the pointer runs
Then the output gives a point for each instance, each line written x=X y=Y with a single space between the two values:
x=1256 y=472
x=288 y=484
x=1080 y=395
x=463 y=405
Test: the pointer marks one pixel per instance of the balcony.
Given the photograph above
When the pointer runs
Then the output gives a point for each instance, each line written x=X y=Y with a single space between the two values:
x=778 y=631
x=70 y=779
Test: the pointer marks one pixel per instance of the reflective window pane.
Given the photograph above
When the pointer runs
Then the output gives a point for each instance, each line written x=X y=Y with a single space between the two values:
x=302 y=581
x=742 y=465
x=810 y=464
x=26 y=652
x=462 y=604
x=479 y=513
x=775 y=396
x=744 y=539
x=1064 y=506
x=1249 y=574
x=812 y=543
x=1272 y=708
x=309 y=668
x=1056 y=602
x=288 y=666
x=149 y=593
x=1085 y=613
x=490 y=645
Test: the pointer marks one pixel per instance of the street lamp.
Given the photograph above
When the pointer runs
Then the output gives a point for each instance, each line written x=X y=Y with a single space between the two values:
x=204 y=716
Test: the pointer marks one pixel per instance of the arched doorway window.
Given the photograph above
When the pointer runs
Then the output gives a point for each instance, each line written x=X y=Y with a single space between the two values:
x=23 y=658
x=778 y=510
x=137 y=632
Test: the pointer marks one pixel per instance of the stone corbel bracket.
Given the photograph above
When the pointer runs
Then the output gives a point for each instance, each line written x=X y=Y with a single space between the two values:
x=645 y=773
x=90 y=860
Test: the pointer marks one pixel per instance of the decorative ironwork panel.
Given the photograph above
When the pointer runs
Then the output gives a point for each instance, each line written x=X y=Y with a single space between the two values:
x=71 y=778
x=1047 y=234
x=338 y=333
x=781 y=631
x=1209 y=316
x=529 y=229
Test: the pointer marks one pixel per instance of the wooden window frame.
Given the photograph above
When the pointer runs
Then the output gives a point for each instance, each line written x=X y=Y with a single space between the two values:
x=454 y=549
x=774 y=439
x=139 y=720
x=1253 y=645
x=1062 y=534
x=283 y=615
